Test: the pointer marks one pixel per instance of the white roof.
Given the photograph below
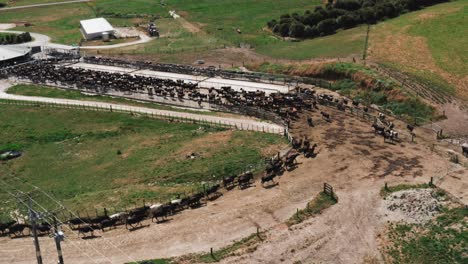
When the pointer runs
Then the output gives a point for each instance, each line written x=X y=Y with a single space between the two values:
x=10 y=52
x=96 y=25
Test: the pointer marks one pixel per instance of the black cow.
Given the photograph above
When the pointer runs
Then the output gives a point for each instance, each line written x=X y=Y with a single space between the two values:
x=228 y=181
x=17 y=230
x=44 y=228
x=267 y=178
x=4 y=226
x=213 y=192
x=87 y=228
x=244 y=180
x=134 y=221
x=108 y=223
x=378 y=129
x=465 y=150
x=310 y=121
x=310 y=151
x=325 y=116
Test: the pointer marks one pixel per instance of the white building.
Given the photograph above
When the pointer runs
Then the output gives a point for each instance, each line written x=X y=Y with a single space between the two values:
x=96 y=28
x=11 y=54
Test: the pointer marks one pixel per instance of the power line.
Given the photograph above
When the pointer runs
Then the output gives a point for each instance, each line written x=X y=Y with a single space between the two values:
x=61 y=223
x=77 y=216
x=73 y=243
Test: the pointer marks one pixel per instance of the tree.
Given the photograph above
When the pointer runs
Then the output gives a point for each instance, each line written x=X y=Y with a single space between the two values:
x=310 y=32
x=272 y=23
x=327 y=26
x=283 y=29
x=296 y=30
x=313 y=18
x=276 y=28
x=367 y=15
x=350 y=5
x=27 y=37
x=347 y=21
x=335 y=12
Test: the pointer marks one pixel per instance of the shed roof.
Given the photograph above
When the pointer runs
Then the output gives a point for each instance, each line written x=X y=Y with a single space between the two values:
x=96 y=25
x=10 y=52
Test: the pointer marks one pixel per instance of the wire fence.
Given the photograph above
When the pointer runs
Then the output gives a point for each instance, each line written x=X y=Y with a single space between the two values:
x=150 y=113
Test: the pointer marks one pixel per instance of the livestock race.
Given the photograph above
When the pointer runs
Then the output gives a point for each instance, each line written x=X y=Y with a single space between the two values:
x=283 y=132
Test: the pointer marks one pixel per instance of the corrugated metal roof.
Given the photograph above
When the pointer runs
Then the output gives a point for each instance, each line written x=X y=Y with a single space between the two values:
x=96 y=25
x=10 y=52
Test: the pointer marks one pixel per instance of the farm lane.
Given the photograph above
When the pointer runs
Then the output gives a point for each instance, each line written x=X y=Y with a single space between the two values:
x=45 y=4
x=45 y=41
x=243 y=124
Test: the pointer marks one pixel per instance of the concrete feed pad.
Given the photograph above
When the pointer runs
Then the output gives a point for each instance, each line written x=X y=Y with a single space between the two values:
x=204 y=81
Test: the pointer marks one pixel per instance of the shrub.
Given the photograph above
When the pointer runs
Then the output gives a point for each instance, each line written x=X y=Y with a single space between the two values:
x=296 y=30
x=283 y=29
x=327 y=26
x=349 y=5
x=348 y=14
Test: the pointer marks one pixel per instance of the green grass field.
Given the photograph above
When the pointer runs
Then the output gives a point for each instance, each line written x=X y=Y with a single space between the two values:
x=429 y=45
x=441 y=241
x=251 y=18
x=28 y=2
x=95 y=159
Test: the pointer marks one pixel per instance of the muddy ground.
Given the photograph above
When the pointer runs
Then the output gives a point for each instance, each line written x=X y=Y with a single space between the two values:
x=350 y=158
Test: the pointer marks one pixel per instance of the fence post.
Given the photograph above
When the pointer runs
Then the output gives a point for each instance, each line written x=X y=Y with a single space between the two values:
x=211 y=253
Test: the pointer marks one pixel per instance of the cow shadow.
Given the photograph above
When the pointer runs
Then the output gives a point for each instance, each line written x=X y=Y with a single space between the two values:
x=270 y=186
x=138 y=228
x=90 y=237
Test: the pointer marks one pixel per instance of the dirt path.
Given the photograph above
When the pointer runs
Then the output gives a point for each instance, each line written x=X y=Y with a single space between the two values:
x=350 y=158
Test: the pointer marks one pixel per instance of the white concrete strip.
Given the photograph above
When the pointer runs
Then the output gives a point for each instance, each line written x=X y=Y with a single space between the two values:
x=204 y=81
x=143 y=39
x=243 y=124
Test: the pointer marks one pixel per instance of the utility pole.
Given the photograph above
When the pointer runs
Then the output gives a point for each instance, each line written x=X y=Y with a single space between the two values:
x=366 y=44
x=33 y=219
x=58 y=237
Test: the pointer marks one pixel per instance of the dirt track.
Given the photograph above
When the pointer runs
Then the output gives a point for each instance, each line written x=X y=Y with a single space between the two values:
x=350 y=158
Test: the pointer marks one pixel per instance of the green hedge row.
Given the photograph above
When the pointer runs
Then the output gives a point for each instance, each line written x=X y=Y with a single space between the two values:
x=343 y=14
x=14 y=38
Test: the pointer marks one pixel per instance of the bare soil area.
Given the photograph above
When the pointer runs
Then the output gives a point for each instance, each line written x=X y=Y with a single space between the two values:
x=413 y=206
x=350 y=158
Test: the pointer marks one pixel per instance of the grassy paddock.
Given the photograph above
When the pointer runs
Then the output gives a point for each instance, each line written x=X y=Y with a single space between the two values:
x=251 y=18
x=441 y=241
x=401 y=187
x=98 y=159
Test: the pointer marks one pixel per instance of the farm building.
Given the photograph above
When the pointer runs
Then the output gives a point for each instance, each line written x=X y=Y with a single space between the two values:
x=14 y=54
x=96 y=28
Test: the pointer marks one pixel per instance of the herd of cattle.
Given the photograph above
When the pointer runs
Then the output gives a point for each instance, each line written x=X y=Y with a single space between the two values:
x=287 y=106
x=102 y=82
x=159 y=213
